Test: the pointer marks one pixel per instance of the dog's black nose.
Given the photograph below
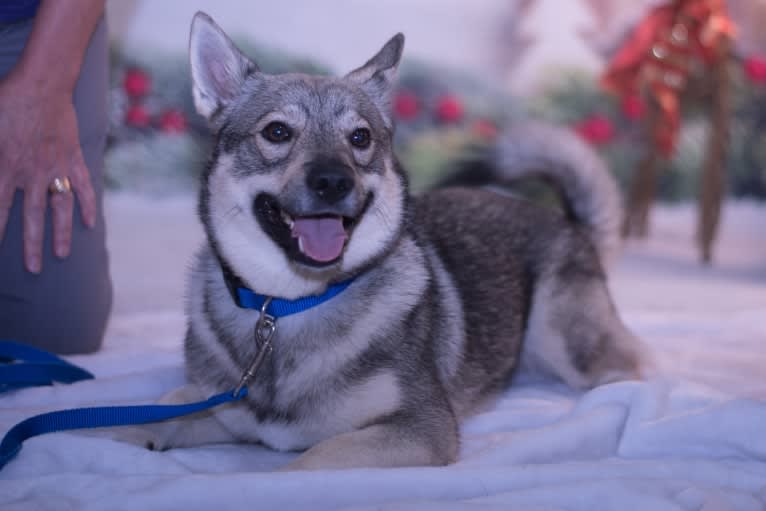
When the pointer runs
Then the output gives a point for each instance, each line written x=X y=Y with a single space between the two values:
x=330 y=183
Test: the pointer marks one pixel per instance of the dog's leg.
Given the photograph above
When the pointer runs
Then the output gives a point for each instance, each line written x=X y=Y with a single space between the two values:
x=395 y=443
x=575 y=333
x=193 y=430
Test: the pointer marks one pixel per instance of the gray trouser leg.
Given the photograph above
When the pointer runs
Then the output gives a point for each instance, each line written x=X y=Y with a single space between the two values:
x=65 y=308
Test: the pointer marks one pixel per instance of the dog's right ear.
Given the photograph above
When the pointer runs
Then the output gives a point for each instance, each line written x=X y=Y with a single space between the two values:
x=218 y=68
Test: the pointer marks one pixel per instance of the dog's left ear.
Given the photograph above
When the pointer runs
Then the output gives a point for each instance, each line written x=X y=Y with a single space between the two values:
x=377 y=76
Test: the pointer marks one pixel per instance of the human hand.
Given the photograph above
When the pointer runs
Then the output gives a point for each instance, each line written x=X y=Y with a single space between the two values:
x=39 y=141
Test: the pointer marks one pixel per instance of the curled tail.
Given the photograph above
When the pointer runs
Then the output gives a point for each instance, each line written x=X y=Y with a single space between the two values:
x=536 y=149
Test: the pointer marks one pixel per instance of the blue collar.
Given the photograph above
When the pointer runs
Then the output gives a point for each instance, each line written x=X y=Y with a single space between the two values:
x=279 y=307
x=248 y=299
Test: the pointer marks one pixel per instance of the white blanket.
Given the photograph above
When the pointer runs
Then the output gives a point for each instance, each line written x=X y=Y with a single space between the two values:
x=691 y=437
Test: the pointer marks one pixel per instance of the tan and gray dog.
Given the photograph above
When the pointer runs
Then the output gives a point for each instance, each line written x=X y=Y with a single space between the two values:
x=443 y=296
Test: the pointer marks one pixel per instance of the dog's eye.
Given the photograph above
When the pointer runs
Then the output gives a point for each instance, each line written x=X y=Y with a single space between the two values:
x=360 y=138
x=276 y=132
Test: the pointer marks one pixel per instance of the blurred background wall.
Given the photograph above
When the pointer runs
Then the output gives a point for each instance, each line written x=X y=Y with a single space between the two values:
x=483 y=36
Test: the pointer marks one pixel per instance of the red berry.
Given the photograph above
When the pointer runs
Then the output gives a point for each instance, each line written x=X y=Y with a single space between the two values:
x=406 y=105
x=633 y=107
x=485 y=129
x=596 y=129
x=173 y=121
x=136 y=83
x=449 y=109
x=755 y=69
x=137 y=116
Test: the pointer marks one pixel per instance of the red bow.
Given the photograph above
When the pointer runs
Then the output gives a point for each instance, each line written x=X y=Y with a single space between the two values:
x=658 y=56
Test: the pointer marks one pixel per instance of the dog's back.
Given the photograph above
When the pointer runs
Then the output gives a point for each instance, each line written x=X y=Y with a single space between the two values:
x=531 y=279
x=499 y=251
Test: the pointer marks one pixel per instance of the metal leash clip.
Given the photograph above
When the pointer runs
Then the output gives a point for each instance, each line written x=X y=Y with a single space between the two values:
x=265 y=328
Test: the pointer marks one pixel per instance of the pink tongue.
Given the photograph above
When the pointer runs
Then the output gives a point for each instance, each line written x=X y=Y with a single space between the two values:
x=322 y=238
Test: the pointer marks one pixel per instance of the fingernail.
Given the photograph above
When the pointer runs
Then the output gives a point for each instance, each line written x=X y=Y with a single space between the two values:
x=90 y=222
x=61 y=251
x=34 y=265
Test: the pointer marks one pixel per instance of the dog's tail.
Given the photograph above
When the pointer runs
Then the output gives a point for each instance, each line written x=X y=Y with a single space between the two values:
x=589 y=192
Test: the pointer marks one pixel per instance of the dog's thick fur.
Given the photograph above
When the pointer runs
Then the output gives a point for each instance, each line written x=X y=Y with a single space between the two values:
x=451 y=292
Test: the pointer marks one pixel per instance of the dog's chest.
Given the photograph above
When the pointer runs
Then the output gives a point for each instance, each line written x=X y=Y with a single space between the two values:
x=304 y=401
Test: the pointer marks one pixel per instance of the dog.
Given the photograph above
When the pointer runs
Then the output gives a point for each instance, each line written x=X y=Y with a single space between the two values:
x=435 y=300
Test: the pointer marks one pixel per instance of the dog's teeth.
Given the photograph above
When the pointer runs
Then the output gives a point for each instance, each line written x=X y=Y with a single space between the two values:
x=286 y=218
x=300 y=244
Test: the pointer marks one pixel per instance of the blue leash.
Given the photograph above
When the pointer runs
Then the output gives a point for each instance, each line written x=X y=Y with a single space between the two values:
x=24 y=366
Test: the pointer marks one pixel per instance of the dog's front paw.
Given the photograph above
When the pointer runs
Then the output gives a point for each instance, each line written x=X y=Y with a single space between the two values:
x=142 y=436
x=157 y=436
x=148 y=437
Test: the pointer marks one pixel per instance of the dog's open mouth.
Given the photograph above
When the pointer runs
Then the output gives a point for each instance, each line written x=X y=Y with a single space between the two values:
x=320 y=238
x=314 y=240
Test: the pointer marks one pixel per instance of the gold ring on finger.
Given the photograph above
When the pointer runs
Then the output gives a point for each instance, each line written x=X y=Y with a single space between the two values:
x=60 y=185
